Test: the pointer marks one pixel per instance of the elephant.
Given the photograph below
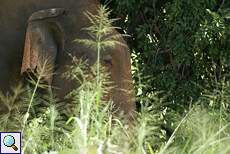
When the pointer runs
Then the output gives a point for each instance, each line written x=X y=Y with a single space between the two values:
x=31 y=29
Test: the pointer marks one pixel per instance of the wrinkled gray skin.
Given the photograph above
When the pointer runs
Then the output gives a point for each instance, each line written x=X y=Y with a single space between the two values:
x=34 y=29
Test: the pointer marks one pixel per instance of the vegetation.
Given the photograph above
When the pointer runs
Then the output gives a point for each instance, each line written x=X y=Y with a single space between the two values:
x=180 y=47
x=180 y=63
x=180 y=50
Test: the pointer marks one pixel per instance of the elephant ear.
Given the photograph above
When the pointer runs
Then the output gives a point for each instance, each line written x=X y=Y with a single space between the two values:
x=41 y=46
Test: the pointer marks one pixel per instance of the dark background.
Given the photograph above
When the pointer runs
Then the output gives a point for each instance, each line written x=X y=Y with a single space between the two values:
x=180 y=51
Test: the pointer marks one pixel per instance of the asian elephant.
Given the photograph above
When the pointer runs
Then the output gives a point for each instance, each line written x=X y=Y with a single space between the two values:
x=31 y=29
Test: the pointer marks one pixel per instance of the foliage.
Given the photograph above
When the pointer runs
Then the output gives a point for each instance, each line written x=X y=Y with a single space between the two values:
x=198 y=133
x=179 y=47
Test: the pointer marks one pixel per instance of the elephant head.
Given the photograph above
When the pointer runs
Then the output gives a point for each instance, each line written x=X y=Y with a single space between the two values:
x=49 y=35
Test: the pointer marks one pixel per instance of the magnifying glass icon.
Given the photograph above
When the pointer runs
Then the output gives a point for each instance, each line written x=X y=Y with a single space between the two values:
x=9 y=141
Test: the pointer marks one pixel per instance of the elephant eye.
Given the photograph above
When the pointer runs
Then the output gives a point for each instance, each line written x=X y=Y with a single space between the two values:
x=108 y=61
x=85 y=57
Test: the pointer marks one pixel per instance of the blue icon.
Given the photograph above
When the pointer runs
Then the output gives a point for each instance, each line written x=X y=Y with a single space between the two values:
x=9 y=141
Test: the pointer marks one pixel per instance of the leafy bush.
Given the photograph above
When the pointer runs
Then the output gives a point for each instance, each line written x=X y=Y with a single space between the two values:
x=179 y=47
